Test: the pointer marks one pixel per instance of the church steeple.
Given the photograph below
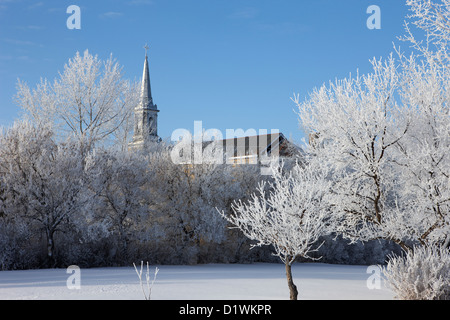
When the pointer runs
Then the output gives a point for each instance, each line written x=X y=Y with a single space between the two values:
x=146 y=112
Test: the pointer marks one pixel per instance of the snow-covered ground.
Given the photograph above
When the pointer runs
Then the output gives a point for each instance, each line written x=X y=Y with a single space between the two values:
x=260 y=281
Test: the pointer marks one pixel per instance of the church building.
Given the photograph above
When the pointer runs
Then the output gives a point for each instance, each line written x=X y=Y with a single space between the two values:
x=244 y=150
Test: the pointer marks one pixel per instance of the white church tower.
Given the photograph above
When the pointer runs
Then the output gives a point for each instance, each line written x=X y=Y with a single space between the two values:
x=146 y=113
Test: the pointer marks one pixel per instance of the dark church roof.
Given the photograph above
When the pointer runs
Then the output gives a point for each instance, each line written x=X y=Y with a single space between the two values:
x=258 y=145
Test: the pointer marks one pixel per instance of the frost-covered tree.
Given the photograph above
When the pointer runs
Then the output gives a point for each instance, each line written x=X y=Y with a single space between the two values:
x=183 y=199
x=43 y=180
x=423 y=157
x=386 y=134
x=89 y=98
x=119 y=193
x=356 y=124
x=287 y=213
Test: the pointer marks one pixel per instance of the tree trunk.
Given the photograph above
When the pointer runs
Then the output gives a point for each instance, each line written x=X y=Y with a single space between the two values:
x=293 y=293
x=123 y=244
x=50 y=249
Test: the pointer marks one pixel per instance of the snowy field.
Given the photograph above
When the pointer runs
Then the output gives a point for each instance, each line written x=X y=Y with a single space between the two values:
x=201 y=282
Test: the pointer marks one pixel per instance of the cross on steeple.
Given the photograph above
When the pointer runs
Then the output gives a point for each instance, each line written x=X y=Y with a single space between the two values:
x=146 y=47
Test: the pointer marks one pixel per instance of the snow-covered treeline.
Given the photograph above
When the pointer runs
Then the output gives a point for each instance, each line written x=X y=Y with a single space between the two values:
x=61 y=204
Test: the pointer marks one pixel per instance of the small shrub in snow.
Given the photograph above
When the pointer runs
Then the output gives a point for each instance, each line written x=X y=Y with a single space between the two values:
x=421 y=274
x=148 y=294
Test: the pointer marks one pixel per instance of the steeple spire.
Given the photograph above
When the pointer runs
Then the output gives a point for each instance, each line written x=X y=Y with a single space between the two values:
x=146 y=91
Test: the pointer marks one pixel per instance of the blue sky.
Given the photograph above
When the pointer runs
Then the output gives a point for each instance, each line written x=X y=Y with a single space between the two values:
x=228 y=63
